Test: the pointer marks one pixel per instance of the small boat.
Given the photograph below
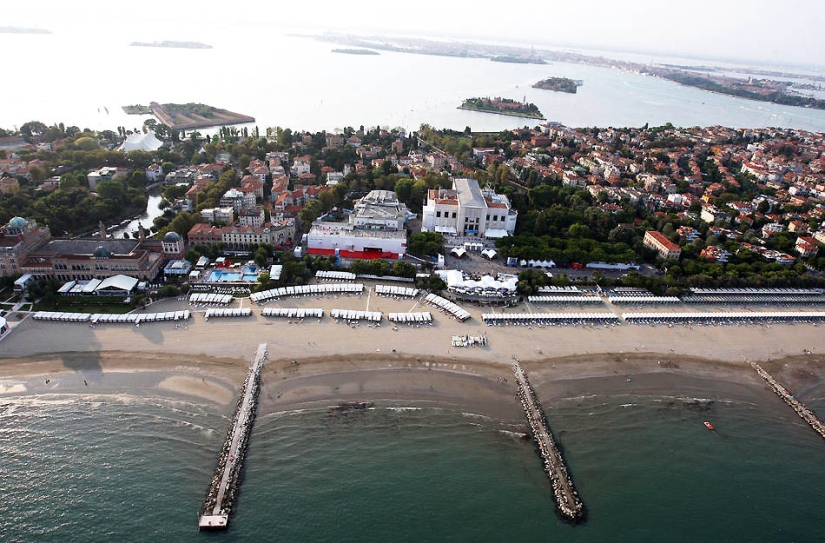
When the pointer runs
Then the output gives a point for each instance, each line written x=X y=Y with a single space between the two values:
x=708 y=425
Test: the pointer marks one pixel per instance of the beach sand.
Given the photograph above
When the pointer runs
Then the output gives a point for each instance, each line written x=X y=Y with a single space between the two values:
x=337 y=362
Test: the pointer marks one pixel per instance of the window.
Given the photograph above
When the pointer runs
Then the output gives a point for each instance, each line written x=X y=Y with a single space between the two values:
x=438 y=214
x=454 y=214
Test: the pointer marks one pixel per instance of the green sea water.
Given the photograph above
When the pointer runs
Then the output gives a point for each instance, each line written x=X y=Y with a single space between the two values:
x=127 y=467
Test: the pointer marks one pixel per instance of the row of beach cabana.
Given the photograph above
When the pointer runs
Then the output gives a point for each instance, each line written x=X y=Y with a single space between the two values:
x=103 y=318
x=352 y=315
x=643 y=299
x=392 y=290
x=219 y=312
x=754 y=299
x=410 y=318
x=292 y=312
x=334 y=275
x=545 y=299
x=714 y=318
x=307 y=290
x=208 y=298
x=448 y=306
x=523 y=319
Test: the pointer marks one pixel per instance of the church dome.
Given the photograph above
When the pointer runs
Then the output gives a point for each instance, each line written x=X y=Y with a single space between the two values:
x=18 y=222
x=102 y=252
x=171 y=237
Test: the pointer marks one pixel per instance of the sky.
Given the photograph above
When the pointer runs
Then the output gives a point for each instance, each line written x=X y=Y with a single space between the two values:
x=787 y=32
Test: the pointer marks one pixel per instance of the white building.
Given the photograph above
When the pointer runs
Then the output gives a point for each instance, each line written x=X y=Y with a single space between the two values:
x=251 y=216
x=218 y=214
x=466 y=210
x=237 y=199
x=379 y=210
x=375 y=230
x=326 y=238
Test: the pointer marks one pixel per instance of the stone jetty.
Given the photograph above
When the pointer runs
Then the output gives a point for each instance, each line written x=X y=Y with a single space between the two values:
x=569 y=504
x=225 y=482
x=806 y=414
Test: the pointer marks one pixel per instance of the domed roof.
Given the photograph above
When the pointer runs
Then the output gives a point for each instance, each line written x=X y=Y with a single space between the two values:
x=171 y=237
x=18 y=222
x=101 y=252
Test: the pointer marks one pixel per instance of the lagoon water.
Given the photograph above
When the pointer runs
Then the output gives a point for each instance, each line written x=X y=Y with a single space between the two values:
x=133 y=467
x=84 y=77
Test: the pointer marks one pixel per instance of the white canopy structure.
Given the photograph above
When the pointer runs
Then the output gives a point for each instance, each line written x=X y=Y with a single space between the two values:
x=722 y=318
x=335 y=275
x=293 y=312
x=392 y=290
x=564 y=299
x=549 y=318
x=307 y=290
x=141 y=142
x=448 y=306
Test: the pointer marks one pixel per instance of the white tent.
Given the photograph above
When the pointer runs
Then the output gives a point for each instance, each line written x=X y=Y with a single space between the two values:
x=141 y=142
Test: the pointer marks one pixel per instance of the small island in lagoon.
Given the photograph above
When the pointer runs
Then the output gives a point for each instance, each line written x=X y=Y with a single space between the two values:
x=519 y=60
x=356 y=51
x=189 y=116
x=22 y=30
x=172 y=44
x=502 y=106
x=559 y=84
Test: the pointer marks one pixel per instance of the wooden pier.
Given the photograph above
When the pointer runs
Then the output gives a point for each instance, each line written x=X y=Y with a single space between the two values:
x=806 y=414
x=224 y=486
x=567 y=499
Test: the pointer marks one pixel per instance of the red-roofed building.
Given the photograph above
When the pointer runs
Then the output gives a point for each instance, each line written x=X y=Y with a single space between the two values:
x=666 y=248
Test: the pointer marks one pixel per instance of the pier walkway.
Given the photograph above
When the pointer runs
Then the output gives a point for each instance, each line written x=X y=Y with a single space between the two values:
x=567 y=499
x=223 y=489
x=806 y=414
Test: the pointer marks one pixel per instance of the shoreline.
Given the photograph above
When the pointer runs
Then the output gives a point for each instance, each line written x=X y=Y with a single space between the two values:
x=475 y=386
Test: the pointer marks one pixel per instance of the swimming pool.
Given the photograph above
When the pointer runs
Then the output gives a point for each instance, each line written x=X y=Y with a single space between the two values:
x=247 y=273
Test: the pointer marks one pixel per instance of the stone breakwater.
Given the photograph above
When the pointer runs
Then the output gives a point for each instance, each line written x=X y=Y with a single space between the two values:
x=223 y=488
x=806 y=414
x=569 y=504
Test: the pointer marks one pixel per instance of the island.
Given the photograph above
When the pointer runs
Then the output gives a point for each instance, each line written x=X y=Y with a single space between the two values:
x=21 y=30
x=502 y=106
x=558 y=84
x=172 y=44
x=192 y=115
x=356 y=51
x=763 y=90
x=137 y=109
x=519 y=60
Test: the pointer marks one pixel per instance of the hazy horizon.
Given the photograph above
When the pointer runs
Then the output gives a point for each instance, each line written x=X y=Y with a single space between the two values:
x=720 y=30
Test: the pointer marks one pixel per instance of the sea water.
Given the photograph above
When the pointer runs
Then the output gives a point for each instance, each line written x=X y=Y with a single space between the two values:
x=133 y=467
x=298 y=82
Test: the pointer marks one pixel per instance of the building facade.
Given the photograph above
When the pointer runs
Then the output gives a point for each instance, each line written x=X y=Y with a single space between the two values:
x=467 y=210
x=666 y=248
x=17 y=239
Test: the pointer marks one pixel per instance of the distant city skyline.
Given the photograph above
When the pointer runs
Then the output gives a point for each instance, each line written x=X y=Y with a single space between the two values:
x=759 y=31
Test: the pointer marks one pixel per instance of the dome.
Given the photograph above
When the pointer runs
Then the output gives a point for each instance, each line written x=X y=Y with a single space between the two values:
x=102 y=252
x=171 y=237
x=18 y=222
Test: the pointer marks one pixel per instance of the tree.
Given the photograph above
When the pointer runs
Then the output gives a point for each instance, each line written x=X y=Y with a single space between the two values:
x=403 y=189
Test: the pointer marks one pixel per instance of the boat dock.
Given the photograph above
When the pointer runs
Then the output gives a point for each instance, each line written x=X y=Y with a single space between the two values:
x=567 y=499
x=224 y=486
x=806 y=414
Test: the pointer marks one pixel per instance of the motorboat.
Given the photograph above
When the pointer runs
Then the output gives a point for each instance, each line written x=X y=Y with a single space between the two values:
x=708 y=425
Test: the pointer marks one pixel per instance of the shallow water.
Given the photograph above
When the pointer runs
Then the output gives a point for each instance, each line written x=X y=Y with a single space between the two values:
x=133 y=468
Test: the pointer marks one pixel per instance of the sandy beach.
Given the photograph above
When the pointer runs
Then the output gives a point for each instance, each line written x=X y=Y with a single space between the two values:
x=208 y=359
